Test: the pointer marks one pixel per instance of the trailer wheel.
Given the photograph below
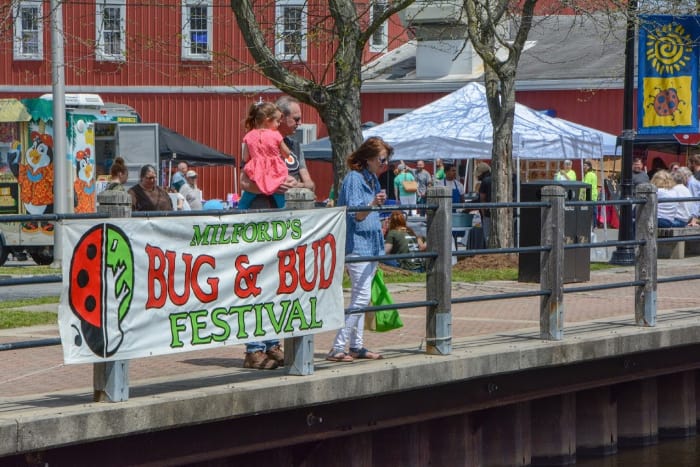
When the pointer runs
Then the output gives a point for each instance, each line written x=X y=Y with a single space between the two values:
x=4 y=251
x=42 y=256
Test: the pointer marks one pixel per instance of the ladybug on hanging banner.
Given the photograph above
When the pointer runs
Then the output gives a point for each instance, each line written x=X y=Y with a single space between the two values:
x=101 y=287
x=666 y=102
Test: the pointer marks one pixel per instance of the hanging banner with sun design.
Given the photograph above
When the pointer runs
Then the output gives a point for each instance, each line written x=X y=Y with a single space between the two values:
x=667 y=92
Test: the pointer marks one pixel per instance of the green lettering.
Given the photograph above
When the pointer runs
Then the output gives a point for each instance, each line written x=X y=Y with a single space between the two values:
x=277 y=324
x=237 y=232
x=259 y=331
x=297 y=313
x=250 y=237
x=296 y=229
x=222 y=235
x=209 y=234
x=198 y=325
x=220 y=324
x=197 y=237
x=314 y=324
x=241 y=311
x=279 y=230
x=263 y=234
x=176 y=327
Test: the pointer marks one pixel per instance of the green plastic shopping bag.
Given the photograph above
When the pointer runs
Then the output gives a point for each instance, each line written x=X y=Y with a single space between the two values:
x=384 y=320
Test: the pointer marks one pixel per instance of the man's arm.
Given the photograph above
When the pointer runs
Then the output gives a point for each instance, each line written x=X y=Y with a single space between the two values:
x=306 y=181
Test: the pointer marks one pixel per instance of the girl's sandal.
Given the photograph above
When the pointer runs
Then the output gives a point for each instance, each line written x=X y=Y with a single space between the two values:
x=363 y=353
x=339 y=357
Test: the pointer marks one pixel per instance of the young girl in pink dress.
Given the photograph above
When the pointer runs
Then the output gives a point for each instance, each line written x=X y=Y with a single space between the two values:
x=263 y=152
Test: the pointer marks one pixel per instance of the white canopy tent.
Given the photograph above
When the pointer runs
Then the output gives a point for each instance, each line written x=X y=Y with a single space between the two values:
x=458 y=126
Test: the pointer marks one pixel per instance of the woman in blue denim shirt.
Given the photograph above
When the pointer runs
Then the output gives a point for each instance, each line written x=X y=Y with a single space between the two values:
x=364 y=238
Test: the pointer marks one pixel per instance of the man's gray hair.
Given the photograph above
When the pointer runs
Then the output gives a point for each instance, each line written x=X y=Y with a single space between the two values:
x=682 y=175
x=284 y=103
x=567 y=163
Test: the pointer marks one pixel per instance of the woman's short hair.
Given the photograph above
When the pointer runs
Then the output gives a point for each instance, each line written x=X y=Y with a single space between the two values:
x=145 y=169
x=367 y=150
x=681 y=175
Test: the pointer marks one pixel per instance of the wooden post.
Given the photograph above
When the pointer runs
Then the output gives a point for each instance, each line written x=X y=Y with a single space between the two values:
x=596 y=422
x=554 y=430
x=676 y=393
x=111 y=379
x=646 y=256
x=552 y=263
x=637 y=413
x=507 y=435
x=438 y=326
x=299 y=351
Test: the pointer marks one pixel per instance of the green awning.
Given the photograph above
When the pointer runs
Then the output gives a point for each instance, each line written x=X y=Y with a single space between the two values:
x=12 y=110
x=39 y=109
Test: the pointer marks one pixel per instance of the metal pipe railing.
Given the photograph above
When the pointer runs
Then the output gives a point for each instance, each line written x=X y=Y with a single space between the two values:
x=438 y=301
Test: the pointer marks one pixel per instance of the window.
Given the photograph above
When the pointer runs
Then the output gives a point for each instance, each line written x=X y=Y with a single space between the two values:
x=196 y=30
x=29 y=31
x=290 y=43
x=111 y=30
x=390 y=114
x=380 y=38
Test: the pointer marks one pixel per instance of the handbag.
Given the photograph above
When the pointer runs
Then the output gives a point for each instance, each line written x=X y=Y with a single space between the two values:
x=410 y=186
x=384 y=320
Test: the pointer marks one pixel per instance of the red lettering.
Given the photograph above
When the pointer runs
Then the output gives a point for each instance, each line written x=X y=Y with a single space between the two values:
x=286 y=263
x=292 y=270
x=212 y=281
x=322 y=246
x=156 y=274
x=162 y=274
x=178 y=300
x=248 y=277
x=306 y=285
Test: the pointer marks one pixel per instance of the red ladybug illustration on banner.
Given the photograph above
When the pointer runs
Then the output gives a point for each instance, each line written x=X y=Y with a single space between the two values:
x=101 y=286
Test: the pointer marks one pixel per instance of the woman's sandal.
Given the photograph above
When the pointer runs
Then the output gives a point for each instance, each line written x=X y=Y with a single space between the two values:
x=363 y=353
x=339 y=357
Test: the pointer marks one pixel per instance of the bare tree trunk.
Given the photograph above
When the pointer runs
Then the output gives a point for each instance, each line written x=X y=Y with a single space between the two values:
x=342 y=118
x=500 y=96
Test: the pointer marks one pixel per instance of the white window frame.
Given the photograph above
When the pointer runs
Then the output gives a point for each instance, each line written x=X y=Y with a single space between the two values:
x=379 y=41
x=18 y=50
x=101 y=52
x=281 y=32
x=390 y=114
x=186 y=49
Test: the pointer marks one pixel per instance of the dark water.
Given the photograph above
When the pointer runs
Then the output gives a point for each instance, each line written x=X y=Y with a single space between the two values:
x=668 y=453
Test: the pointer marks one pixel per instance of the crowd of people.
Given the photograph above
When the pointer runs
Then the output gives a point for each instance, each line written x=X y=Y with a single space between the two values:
x=274 y=163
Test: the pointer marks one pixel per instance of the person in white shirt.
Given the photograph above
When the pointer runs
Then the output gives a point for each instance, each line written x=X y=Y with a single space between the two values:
x=686 y=210
x=189 y=190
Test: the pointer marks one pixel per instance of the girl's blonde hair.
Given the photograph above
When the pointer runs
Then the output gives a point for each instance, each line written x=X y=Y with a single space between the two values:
x=258 y=113
x=663 y=179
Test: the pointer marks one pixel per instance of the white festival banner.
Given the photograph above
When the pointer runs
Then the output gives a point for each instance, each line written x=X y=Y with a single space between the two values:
x=153 y=286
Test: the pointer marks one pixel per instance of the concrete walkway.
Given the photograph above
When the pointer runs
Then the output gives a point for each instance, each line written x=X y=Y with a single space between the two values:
x=38 y=377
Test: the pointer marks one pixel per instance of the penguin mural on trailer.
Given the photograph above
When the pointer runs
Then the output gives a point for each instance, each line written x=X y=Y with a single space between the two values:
x=84 y=184
x=36 y=178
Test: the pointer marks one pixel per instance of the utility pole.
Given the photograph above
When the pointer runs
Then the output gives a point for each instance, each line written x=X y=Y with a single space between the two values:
x=62 y=193
x=624 y=255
